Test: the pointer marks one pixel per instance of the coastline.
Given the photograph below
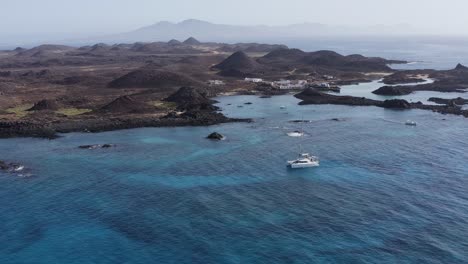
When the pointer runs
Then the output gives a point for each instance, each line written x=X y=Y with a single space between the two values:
x=200 y=118
x=52 y=131
x=79 y=91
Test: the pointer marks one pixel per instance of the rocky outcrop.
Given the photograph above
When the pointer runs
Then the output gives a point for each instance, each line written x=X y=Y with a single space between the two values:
x=403 y=77
x=215 y=136
x=192 y=41
x=26 y=129
x=151 y=76
x=445 y=86
x=190 y=98
x=96 y=146
x=325 y=59
x=461 y=67
x=393 y=90
x=452 y=102
x=50 y=105
x=174 y=42
x=309 y=96
x=125 y=104
x=238 y=61
x=312 y=96
x=10 y=167
x=396 y=104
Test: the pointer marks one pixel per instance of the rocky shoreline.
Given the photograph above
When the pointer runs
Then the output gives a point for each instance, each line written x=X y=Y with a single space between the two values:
x=194 y=108
x=97 y=89
x=454 y=80
x=311 y=96
x=52 y=131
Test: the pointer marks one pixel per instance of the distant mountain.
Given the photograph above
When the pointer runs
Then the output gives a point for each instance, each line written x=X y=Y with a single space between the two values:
x=192 y=41
x=194 y=30
x=238 y=61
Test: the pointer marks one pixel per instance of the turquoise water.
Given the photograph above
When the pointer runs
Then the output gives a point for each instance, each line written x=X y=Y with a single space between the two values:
x=366 y=89
x=384 y=193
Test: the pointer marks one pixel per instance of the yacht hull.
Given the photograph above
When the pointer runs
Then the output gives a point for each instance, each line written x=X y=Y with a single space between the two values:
x=292 y=165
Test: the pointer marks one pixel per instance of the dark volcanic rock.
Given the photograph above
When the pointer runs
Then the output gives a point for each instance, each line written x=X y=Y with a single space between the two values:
x=96 y=146
x=44 y=50
x=283 y=55
x=235 y=73
x=452 y=102
x=238 y=61
x=152 y=77
x=26 y=129
x=312 y=96
x=3 y=165
x=215 y=136
x=300 y=121
x=393 y=90
x=125 y=104
x=192 y=41
x=401 y=78
x=396 y=104
x=5 y=73
x=189 y=98
x=461 y=67
x=50 y=105
x=325 y=59
x=174 y=42
x=10 y=167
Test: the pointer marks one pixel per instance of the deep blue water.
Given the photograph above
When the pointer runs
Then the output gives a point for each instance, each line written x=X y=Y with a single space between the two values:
x=385 y=192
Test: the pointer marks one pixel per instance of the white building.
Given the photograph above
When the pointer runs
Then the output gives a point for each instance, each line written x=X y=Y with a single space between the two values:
x=215 y=82
x=289 y=85
x=324 y=85
x=254 y=80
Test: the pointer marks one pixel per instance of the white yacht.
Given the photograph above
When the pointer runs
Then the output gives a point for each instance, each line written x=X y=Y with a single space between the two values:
x=305 y=160
x=296 y=134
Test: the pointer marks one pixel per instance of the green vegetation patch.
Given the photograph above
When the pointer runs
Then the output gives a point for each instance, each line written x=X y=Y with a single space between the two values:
x=162 y=105
x=73 y=111
x=19 y=111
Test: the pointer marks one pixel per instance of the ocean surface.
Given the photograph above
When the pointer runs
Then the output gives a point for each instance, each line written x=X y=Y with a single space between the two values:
x=384 y=193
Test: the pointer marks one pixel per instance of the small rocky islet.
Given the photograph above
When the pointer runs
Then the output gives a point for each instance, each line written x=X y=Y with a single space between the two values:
x=216 y=136
x=11 y=167
x=97 y=146
x=454 y=80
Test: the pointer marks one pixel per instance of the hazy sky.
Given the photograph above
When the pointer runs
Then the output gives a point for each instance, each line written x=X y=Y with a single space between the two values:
x=22 y=17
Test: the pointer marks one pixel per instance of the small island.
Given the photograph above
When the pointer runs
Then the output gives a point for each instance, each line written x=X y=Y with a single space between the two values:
x=52 y=89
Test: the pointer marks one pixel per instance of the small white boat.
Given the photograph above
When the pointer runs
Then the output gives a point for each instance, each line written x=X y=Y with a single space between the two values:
x=282 y=107
x=410 y=123
x=304 y=161
x=296 y=134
